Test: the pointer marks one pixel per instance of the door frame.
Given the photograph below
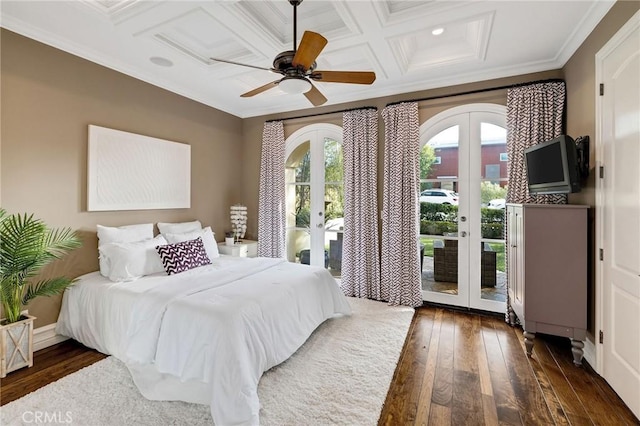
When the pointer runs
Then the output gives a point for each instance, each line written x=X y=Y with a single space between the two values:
x=593 y=352
x=313 y=133
x=430 y=128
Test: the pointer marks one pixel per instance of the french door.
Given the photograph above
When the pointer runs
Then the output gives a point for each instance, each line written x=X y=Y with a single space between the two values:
x=463 y=187
x=315 y=194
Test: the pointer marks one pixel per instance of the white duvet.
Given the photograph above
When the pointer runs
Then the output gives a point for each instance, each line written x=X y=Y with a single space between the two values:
x=205 y=335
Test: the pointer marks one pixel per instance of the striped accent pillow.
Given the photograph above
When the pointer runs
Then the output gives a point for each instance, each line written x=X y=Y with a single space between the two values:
x=180 y=257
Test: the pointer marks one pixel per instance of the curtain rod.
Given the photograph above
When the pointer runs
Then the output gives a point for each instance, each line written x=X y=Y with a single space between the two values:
x=472 y=92
x=320 y=114
x=430 y=98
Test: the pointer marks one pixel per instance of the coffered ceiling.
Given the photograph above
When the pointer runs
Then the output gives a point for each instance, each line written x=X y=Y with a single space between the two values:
x=169 y=43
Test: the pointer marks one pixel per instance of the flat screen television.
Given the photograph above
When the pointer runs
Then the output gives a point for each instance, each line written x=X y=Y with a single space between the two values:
x=552 y=167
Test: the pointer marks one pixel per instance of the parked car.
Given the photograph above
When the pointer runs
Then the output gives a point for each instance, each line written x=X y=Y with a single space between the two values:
x=439 y=196
x=498 y=203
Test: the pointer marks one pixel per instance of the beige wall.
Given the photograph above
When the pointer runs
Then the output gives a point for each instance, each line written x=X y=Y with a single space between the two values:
x=580 y=77
x=50 y=97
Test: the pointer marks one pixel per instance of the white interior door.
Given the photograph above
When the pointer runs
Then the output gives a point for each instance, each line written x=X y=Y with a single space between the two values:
x=619 y=207
x=463 y=253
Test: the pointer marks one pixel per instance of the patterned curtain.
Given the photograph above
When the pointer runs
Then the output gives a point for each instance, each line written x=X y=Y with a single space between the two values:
x=400 y=263
x=271 y=204
x=535 y=113
x=360 y=254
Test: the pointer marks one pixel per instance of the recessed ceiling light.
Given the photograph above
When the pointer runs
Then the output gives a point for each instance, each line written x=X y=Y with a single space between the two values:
x=437 y=31
x=160 y=61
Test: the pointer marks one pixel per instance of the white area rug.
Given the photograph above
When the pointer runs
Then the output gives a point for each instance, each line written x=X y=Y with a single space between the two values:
x=340 y=376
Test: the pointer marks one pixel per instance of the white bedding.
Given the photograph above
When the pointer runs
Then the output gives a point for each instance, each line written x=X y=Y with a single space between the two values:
x=205 y=335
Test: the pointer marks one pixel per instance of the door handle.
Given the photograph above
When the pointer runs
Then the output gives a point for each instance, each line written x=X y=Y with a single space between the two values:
x=463 y=233
x=319 y=225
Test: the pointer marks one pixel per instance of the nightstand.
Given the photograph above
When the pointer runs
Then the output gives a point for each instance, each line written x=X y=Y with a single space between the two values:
x=244 y=248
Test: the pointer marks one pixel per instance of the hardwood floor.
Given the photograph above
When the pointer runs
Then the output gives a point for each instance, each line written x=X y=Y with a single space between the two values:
x=49 y=365
x=459 y=368
x=456 y=368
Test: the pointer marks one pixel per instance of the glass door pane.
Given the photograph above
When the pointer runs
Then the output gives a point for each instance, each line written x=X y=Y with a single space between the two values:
x=334 y=227
x=298 y=178
x=315 y=199
x=490 y=290
x=333 y=205
x=493 y=193
x=439 y=203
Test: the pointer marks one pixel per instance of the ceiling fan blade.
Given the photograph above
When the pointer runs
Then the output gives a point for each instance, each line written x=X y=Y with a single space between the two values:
x=245 y=65
x=310 y=47
x=315 y=97
x=260 y=89
x=354 y=77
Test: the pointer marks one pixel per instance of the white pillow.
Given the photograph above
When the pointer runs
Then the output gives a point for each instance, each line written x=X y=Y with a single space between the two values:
x=208 y=239
x=179 y=228
x=121 y=234
x=130 y=261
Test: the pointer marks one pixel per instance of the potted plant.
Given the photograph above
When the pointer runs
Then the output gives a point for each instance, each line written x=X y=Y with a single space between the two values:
x=26 y=246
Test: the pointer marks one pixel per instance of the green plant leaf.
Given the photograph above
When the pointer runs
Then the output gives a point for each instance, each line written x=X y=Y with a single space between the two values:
x=48 y=287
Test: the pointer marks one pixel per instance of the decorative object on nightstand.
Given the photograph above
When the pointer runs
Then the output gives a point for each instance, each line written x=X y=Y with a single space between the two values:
x=229 y=238
x=26 y=246
x=238 y=221
x=244 y=248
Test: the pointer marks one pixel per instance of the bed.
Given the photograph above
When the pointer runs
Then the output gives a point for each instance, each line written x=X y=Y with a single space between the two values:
x=205 y=335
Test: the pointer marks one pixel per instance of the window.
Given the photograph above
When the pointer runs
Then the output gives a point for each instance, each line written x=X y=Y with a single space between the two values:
x=438 y=160
x=492 y=172
x=503 y=156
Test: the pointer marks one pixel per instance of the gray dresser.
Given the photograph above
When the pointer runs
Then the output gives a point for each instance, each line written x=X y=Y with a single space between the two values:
x=547 y=270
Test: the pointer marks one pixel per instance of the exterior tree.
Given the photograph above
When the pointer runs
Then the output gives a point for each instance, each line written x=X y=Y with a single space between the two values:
x=490 y=191
x=427 y=158
x=333 y=177
x=303 y=192
x=333 y=191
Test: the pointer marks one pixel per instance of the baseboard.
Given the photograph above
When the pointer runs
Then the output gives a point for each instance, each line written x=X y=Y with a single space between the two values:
x=46 y=336
x=590 y=354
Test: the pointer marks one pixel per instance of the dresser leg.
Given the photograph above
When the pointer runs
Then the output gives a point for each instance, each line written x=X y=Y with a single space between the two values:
x=528 y=341
x=576 y=349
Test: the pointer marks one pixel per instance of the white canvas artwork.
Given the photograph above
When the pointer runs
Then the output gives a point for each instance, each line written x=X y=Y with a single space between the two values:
x=127 y=171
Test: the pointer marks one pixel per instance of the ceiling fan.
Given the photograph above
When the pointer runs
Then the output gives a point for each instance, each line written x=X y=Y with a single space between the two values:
x=298 y=67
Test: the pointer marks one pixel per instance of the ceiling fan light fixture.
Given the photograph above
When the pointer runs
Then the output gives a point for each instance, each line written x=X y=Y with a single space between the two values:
x=294 y=85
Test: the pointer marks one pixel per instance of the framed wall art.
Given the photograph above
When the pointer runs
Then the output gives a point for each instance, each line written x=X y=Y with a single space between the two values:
x=127 y=171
